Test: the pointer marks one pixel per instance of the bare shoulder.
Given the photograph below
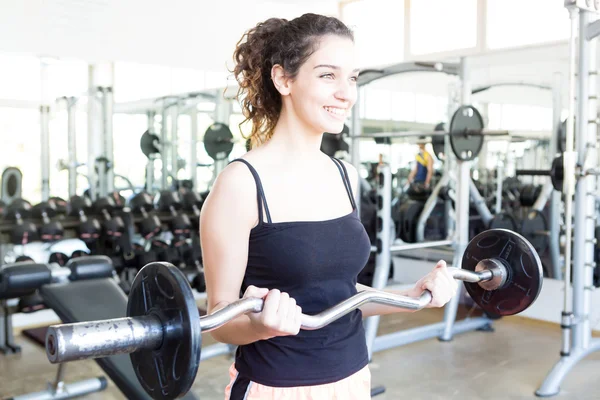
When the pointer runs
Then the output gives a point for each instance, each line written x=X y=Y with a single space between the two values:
x=232 y=194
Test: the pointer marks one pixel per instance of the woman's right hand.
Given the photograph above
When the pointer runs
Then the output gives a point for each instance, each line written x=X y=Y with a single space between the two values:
x=280 y=315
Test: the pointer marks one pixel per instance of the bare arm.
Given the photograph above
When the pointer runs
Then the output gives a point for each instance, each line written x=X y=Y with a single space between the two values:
x=226 y=219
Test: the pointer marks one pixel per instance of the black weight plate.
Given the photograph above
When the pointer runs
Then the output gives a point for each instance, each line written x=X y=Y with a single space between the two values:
x=524 y=280
x=503 y=221
x=162 y=290
x=148 y=143
x=437 y=142
x=465 y=135
x=557 y=173
x=218 y=141
x=532 y=225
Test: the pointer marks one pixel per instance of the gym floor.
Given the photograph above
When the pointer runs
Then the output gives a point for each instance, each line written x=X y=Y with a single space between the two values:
x=509 y=363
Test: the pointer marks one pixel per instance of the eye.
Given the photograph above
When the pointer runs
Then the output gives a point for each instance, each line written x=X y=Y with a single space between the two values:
x=328 y=76
x=354 y=78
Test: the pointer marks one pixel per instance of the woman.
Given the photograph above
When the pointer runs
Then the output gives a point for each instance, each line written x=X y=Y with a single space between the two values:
x=281 y=223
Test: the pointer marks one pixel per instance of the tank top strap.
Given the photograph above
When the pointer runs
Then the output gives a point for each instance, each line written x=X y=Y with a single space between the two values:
x=346 y=179
x=260 y=194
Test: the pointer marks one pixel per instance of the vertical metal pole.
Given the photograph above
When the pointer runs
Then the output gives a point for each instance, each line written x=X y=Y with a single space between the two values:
x=223 y=110
x=194 y=147
x=585 y=212
x=107 y=117
x=94 y=136
x=72 y=144
x=150 y=162
x=174 y=144
x=448 y=164
x=45 y=131
x=499 y=182
x=569 y=184
x=462 y=211
x=555 y=197
x=383 y=256
x=164 y=147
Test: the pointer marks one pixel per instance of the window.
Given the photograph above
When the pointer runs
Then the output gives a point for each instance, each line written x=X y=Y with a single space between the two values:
x=20 y=77
x=403 y=106
x=512 y=23
x=377 y=25
x=442 y=25
x=20 y=133
x=431 y=109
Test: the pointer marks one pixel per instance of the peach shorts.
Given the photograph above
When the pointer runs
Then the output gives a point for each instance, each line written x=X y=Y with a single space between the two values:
x=355 y=387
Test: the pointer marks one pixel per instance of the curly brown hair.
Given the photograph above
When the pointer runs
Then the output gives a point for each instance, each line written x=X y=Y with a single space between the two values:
x=272 y=42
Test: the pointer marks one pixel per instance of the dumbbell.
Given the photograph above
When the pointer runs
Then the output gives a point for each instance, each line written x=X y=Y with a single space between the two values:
x=150 y=226
x=170 y=202
x=59 y=258
x=163 y=330
x=50 y=230
x=192 y=202
x=89 y=228
x=60 y=205
x=113 y=227
x=25 y=231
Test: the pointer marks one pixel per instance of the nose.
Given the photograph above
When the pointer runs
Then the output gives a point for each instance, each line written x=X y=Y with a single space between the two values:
x=346 y=92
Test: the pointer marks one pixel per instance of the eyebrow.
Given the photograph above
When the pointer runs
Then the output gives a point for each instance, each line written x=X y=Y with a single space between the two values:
x=333 y=67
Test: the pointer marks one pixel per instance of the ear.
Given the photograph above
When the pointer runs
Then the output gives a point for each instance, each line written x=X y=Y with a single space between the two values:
x=280 y=80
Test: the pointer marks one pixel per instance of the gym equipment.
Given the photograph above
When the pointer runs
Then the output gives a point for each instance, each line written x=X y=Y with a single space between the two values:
x=113 y=227
x=579 y=195
x=438 y=142
x=504 y=220
x=465 y=134
x=24 y=232
x=148 y=144
x=11 y=184
x=556 y=173
x=192 y=202
x=534 y=227
x=163 y=337
x=218 y=141
x=180 y=224
x=89 y=228
x=150 y=226
x=50 y=230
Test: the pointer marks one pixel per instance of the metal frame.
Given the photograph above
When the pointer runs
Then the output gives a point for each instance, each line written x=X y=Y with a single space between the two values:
x=577 y=332
x=446 y=329
x=59 y=390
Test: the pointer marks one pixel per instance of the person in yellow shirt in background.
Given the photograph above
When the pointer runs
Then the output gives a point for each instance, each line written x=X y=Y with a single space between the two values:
x=422 y=172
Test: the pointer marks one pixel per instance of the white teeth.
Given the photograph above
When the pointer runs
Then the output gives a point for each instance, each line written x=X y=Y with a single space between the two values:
x=337 y=111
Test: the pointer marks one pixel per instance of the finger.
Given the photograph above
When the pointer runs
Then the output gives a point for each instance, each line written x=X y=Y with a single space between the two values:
x=282 y=310
x=441 y=264
x=253 y=291
x=270 y=307
x=291 y=316
x=299 y=316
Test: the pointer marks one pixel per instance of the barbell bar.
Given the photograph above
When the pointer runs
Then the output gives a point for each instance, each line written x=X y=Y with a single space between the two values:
x=162 y=331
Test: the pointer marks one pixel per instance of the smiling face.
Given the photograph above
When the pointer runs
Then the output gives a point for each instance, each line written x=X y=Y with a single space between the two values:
x=324 y=91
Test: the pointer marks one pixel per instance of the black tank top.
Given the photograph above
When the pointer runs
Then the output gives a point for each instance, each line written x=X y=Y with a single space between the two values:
x=317 y=263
